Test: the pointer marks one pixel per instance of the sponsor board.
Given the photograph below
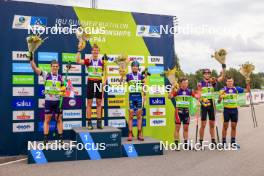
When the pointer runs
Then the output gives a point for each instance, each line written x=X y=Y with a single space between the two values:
x=68 y=125
x=94 y=114
x=157 y=111
x=157 y=122
x=155 y=60
x=19 y=55
x=113 y=80
x=148 y=31
x=155 y=69
x=41 y=103
x=70 y=103
x=157 y=101
x=74 y=79
x=68 y=57
x=113 y=69
x=117 y=112
x=116 y=101
x=51 y=126
x=45 y=67
x=23 y=79
x=23 y=115
x=156 y=80
x=22 y=103
x=48 y=56
x=156 y=90
x=117 y=123
x=74 y=68
x=78 y=91
x=114 y=90
x=112 y=58
x=23 y=91
x=21 y=68
x=140 y=59
x=23 y=127
x=21 y=22
x=72 y=114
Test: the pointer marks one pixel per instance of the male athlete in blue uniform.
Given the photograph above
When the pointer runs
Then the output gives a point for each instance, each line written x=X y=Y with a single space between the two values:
x=229 y=96
x=135 y=81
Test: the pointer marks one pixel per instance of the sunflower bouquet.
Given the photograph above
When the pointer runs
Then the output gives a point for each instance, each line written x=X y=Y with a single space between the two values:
x=122 y=61
x=82 y=37
x=246 y=70
x=172 y=76
x=33 y=42
x=220 y=56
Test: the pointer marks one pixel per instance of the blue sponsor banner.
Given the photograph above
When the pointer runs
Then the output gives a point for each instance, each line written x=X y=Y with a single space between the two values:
x=156 y=69
x=22 y=103
x=41 y=91
x=144 y=122
x=22 y=68
x=157 y=101
x=51 y=126
x=47 y=56
x=41 y=21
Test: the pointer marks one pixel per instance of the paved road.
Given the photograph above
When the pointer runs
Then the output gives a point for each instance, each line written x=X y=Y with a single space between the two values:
x=248 y=160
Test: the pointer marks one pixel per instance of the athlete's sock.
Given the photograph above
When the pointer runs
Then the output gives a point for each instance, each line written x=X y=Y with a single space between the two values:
x=223 y=141
x=233 y=140
x=45 y=140
x=201 y=141
x=213 y=141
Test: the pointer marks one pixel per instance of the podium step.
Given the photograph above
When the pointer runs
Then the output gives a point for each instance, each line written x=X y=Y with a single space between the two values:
x=135 y=148
x=101 y=143
x=54 y=152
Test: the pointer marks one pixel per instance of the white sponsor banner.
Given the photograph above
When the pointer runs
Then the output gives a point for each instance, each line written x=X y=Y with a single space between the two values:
x=74 y=79
x=40 y=80
x=23 y=91
x=41 y=103
x=141 y=69
x=23 y=127
x=113 y=69
x=140 y=59
x=156 y=90
x=94 y=123
x=72 y=114
x=158 y=122
x=78 y=90
x=116 y=90
x=19 y=55
x=68 y=125
x=155 y=60
x=117 y=112
x=74 y=69
x=113 y=79
x=21 y=22
x=157 y=111
x=118 y=123
x=23 y=115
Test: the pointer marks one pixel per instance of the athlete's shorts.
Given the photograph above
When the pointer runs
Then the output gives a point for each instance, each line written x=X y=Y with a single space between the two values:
x=135 y=101
x=208 y=110
x=182 y=116
x=92 y=90
x=52 y=107
x=230 y=114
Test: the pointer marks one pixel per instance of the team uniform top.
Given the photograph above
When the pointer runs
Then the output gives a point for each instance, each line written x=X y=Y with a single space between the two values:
x=183 y=98
x=207 y=89
x=52 y=85
x=94 y=69
x=230 y=100
x=135 y=81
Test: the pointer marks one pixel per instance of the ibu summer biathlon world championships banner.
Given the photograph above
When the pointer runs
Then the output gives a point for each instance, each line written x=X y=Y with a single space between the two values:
x=137 y=35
